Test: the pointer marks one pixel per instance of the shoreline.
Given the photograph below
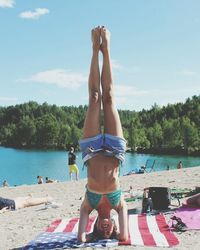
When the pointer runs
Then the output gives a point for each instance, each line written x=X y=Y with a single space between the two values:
x=18 y=171
x=85 y=178
x=23 y=225
x=179 y=151
x=151 y=151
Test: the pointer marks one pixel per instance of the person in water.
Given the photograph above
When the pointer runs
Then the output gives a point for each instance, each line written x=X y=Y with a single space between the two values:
x=102 y=153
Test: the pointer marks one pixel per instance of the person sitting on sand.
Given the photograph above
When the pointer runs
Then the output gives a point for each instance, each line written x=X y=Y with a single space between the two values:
x=102 y=153
x=50 y=180
x=22 y=202
x=140 y=170
x=5 y=183
x=180 y=165
x=39 y=179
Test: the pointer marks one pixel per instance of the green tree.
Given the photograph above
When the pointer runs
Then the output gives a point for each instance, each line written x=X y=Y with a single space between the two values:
x=155 y=135
x=47 y=131
x=25 y=131
x=48 y=126
x=75 y=135
x=171 y=134
x=64 y=136
x=190 y=134
x=7 y=135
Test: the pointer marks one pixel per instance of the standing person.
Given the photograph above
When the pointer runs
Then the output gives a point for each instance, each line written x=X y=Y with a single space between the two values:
x=102 y=152
x=72 y=164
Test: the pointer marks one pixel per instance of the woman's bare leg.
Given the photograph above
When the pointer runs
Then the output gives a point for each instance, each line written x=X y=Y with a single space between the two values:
x=22 y=202
x=92 y=120
x=112 y=123
x=193 y=200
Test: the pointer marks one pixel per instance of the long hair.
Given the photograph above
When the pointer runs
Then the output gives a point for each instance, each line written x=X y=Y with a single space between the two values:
x=98 y=235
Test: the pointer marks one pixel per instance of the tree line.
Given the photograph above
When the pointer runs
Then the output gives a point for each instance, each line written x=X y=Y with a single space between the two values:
x=174 y=128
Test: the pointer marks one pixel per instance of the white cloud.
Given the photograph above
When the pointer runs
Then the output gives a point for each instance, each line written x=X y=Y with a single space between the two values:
x=127 y=91
x=34 y=14
x=175 y=95
x=128 y=97
x=126 y=94
x=177 y=91
x=188 y=73
x=116 y=66
x=7 y=3
x=7 y=99
x=59 y=77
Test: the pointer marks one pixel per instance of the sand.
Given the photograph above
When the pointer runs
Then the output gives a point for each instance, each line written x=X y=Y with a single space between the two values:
x=18 y=227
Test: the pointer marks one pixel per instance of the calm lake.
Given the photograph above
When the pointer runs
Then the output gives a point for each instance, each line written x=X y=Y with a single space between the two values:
x=20 y=167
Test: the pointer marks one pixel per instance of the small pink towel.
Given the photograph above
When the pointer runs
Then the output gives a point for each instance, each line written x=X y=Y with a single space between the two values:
x=190 y=216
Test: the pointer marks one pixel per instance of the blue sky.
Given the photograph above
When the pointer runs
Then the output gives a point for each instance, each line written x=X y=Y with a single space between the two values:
x=45 y=50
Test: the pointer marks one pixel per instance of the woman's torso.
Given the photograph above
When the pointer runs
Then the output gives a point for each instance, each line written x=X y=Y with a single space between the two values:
x=103 y=174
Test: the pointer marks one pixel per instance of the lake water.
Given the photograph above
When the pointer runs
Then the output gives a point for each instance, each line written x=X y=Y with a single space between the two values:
x=23 y=166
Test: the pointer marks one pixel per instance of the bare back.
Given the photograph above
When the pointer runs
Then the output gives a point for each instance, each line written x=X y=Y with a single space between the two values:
x=103 y=174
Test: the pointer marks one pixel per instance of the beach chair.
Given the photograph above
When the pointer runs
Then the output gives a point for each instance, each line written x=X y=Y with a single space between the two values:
x=149 y=165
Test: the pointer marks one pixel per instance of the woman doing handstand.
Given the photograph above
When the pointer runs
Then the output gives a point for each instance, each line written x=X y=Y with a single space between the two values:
x=102 y=152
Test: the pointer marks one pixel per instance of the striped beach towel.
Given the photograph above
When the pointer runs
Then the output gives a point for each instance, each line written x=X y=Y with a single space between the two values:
x=144 y=230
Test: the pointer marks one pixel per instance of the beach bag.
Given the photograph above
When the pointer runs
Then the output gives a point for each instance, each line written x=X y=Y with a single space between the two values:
x=160 y=196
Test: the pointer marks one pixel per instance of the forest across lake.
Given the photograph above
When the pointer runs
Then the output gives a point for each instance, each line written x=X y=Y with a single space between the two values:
x=171 y=129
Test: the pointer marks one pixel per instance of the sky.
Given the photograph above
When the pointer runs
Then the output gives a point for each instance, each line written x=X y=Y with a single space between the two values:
x=45 y=50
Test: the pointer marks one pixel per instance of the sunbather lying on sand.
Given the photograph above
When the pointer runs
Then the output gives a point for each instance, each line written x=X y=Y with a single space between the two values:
x=22 y=202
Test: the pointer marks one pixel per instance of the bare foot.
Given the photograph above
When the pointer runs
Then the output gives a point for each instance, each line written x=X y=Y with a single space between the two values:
x=95 y=34
x=105 y=36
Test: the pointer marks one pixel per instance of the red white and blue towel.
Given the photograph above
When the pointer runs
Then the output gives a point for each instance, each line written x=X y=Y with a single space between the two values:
x=144 y=230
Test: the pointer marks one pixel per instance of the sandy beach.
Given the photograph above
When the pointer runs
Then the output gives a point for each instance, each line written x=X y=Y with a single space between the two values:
x=20 y=226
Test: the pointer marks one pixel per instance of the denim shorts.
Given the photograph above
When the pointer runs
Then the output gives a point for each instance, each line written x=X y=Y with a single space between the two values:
x=107 y=144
